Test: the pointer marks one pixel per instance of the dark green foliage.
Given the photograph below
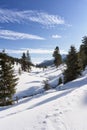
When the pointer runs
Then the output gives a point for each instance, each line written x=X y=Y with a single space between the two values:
x=20 y=61
x=26 y=62
x=60 y=81
x=73 y=69
x=28 y=56
x=28 y=59
x=46 y=85
x=8 y=81
x=83 y=53
x=57 y=57
x=23 y=62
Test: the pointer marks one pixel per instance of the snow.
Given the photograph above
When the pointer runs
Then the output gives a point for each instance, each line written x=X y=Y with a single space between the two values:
x=62 y=108
x=32 y=83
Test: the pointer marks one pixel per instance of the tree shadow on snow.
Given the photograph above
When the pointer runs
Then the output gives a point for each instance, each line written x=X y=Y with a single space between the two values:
x=33 y=82
x=67 y=88
x=50 y=99
x=80 y=82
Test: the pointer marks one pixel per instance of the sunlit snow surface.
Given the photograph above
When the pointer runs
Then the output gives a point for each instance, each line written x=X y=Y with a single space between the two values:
x=62 y=108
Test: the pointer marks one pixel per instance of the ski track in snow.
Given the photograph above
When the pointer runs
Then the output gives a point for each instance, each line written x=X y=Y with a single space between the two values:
x=63 y=108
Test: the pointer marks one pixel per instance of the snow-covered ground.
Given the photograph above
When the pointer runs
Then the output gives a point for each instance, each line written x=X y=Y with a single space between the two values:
x=32 y=83
x=62 y=108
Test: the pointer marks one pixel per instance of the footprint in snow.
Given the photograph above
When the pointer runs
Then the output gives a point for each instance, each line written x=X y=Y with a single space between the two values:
x=56 y=109
x=60 y=113
x=55 y=114
x=44 y=122
x=49 y=125
x=47 y=116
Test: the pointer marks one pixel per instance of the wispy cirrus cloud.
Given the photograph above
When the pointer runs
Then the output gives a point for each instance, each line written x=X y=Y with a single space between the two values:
x=56 y=36
x=16 y=16
x=12 y=35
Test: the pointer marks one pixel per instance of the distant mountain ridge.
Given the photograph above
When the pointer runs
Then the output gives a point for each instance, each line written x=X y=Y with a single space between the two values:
x=50 y=62
x=47 y=63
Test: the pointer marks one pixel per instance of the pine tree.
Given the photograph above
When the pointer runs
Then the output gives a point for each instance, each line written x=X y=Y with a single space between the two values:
x=57 y=57
x=28 y=59
x=73 y=69
x=60 y=81
x=26 y=62
x=46 y=85
x=23 y=62
x=83 y=52
x=8 y=81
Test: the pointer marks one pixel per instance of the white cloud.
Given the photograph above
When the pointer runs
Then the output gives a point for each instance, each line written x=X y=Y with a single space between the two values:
x=56 y=36
x=32 y=51
x=16 y=16
x=38 y=53
x=41 y=51
x=63 y=52
x=35 y=59
x=12 y=35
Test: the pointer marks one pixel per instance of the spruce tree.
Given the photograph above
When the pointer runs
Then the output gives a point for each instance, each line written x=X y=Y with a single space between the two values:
x=26 y=62
x=46 y=85
x=83 y=53
x=73 y=69
x=57 y=57
x=60 y=81
x=28 y=59
x=8 y=81
x=23 y=62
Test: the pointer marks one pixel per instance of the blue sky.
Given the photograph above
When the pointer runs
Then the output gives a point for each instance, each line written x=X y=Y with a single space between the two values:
x=41 y=25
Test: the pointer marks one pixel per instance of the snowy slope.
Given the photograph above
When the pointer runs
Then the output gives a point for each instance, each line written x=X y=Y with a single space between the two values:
x=32 y=83
x=52 y=110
